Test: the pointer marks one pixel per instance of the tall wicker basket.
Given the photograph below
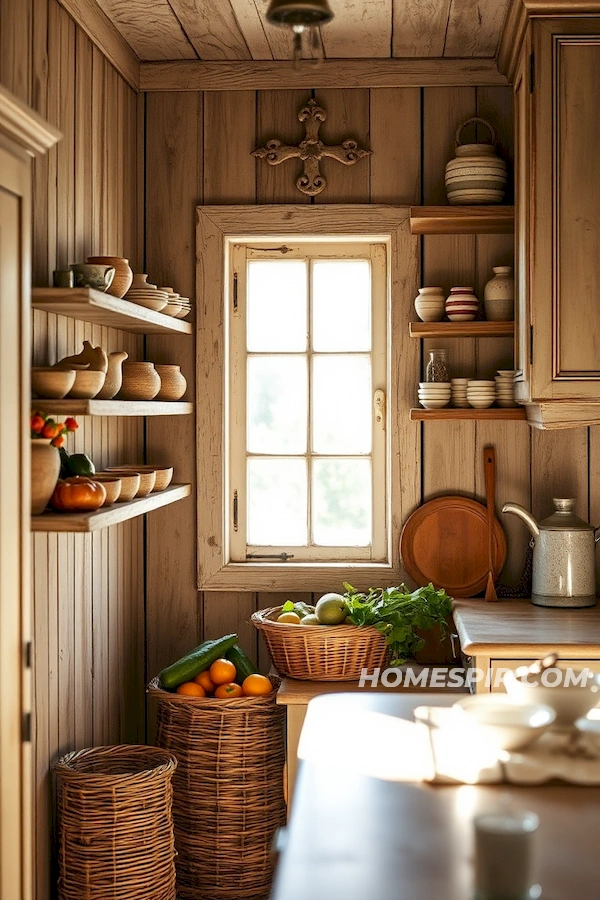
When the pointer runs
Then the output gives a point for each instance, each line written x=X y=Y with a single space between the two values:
x=227 y=791
x=115 y=824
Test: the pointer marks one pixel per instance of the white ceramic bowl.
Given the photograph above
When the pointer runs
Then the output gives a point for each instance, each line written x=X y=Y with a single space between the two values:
x=569 y=700
x=481 y=404
x=432 y=384
x=433 y=404
x=474 y=382
x=505 y=723
x=508 y=373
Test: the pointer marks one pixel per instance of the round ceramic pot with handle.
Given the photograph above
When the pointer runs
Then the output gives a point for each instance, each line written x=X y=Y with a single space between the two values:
x=477 y=174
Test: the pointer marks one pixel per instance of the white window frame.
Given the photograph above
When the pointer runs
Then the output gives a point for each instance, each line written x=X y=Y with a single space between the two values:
x=377 y=254
x=219 y=228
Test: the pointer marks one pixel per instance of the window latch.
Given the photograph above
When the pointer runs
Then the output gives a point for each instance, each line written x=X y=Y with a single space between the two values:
x=282 y=556
x=379 y=406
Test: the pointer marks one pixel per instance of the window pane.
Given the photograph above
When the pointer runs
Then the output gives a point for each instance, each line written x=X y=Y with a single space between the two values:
x=341 y=404
x=277 y=504
x=276 y=313
x=341 y=493
x=342 y=305
x=277 y=404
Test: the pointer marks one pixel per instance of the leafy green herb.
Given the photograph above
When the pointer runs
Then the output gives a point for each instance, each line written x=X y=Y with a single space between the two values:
x=396 y=612
x=288 y=606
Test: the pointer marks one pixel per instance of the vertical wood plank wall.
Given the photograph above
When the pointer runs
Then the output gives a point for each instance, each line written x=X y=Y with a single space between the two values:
x=88 y=590
x=201 y=146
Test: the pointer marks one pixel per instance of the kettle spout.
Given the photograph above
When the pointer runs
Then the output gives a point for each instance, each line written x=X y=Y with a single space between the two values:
x=523 y=514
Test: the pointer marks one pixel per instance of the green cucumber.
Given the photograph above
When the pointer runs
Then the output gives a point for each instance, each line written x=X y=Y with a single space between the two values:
x=243 y=665
x=186 y=668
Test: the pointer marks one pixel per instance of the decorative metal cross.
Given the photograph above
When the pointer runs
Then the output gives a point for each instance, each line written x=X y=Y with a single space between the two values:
x=311 y=150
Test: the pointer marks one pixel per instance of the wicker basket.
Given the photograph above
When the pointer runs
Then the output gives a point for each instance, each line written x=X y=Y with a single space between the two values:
x=310 y=653
x=227 y=791
x=115 y=824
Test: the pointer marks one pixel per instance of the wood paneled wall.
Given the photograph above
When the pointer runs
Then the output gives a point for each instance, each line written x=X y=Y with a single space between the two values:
x=88 y=590
x=201 y=143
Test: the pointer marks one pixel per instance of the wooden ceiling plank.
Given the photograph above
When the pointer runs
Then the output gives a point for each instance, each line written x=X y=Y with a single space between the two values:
x=279 y=39
x=252 y=27
x=103 y=33
x=474 y=27
x=152 y=30
x=358 y=30
x=211 y=27
x=419 y=27
x=335 y=73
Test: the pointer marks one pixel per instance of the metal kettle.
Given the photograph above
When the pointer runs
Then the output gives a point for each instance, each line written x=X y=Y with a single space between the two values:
x=564 y=570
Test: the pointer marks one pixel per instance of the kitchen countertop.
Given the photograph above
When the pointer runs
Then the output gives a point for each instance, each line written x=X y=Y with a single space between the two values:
x=364 y=825
x=517 y=628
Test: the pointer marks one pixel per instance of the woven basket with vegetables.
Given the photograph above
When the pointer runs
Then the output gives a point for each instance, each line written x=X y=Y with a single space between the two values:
x=346 y=633
x=219 y=718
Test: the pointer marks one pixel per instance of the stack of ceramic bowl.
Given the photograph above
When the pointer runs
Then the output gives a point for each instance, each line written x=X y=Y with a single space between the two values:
x=186 y=308
x=458 y=388
x=462 y=305
x=145 y=294
x=434 y=394
x=505 y=396
x=481 y=394
x=173 y=306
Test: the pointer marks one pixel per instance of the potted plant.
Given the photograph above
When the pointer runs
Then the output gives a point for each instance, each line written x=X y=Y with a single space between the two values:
x=47 y=436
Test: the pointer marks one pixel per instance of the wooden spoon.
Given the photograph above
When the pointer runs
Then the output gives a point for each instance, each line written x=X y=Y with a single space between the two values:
x=489 y=464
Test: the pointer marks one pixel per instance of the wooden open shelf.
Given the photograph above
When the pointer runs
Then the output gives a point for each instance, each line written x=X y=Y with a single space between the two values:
x=113 y=407
x=461 y=329
x=491 y=413
x=102 y=518
x=93 y=306
x=462 y=219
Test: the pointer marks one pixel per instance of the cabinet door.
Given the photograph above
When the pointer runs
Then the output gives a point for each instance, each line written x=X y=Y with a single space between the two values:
x=522 y=219
x=565 y=250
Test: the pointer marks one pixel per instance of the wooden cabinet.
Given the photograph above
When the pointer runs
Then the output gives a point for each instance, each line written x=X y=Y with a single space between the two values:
x=557 y=85
x=22 y=134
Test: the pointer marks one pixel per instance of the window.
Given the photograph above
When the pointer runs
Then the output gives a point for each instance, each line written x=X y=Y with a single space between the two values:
x=308 y=358
x=307 y=460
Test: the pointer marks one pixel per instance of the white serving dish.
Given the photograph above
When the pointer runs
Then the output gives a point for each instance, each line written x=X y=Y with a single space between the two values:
x=570 y=702
x=505 y=723
x=433 y=404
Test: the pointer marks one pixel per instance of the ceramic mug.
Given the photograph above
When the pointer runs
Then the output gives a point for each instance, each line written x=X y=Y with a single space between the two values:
x=63 y=278
x=93 y=276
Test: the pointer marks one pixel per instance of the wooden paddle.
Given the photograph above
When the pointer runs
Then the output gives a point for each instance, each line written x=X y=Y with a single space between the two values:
x=489 y=466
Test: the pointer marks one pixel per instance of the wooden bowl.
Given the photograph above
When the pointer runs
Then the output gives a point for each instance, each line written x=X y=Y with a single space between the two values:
x=87 y=384
x=112 y=486
x=130 y=482
x=52 y=383
x=147 y=477
x=164 y=474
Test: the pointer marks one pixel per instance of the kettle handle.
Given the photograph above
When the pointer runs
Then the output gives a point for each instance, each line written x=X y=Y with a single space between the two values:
x=596 y=534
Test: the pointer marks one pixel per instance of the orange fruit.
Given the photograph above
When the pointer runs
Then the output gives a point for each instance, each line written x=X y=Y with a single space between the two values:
x=256 y=686
x=191 y=689
x=203 y=679
x=222 y=671
x=227 y=691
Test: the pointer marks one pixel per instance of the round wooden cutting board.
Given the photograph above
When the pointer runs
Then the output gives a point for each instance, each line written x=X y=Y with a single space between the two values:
x=445 y=541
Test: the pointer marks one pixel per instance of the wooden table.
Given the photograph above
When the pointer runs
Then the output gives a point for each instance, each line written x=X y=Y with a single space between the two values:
x=295 y=695
x=509 y=633
x=387 y=836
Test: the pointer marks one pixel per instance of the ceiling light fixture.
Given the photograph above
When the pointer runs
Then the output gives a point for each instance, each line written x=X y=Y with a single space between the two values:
x=300 y=16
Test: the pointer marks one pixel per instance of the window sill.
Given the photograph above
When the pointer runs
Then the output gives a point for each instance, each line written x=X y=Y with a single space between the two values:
x=253 y=576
